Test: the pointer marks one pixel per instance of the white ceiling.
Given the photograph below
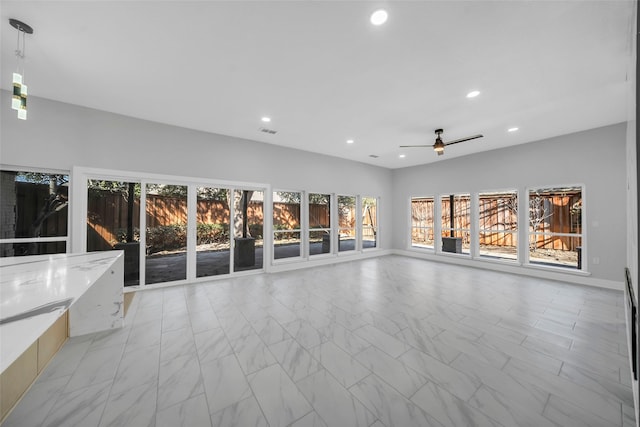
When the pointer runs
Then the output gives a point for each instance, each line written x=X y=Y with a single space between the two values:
x=324 y=74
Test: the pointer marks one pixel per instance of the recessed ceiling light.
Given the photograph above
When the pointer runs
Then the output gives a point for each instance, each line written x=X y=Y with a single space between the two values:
x=349 y=141
x=473 y=94
x=402 y=156
x=379 y=17
x=266 y=119
x=513 y=129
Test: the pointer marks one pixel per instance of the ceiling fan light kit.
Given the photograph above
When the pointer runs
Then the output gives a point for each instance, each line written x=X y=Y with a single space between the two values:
x=438 y=147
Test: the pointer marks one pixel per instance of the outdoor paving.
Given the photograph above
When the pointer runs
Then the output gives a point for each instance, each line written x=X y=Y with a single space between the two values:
x=172 y=267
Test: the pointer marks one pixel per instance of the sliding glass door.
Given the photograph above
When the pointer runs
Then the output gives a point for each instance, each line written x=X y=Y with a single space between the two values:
x=166 y=235
x=171 y=230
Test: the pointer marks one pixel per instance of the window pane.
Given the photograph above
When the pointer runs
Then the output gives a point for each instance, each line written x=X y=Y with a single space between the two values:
x=34 y=248
x=561 y=251
x=34 y=204
x=456 y=223
x=422 y=237
x=319 y=241
x=286 y=210
x=346 y=223
x=422 y=222
x=498 y=225
x=369 y=222
x=499 y=244
x=286 y=224
x=319 y=223
x=555 y=226
x=286 y=244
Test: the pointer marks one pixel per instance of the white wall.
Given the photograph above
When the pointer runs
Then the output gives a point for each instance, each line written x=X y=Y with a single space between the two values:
x=595 y=158
x=61 y=135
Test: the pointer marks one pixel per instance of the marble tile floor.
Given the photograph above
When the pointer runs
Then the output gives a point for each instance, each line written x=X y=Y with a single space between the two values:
x=389 y=341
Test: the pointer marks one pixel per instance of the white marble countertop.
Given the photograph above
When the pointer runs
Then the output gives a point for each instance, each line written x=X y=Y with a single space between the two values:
x=36 y=290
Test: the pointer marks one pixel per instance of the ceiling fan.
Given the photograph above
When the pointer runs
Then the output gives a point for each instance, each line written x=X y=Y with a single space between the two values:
x=439 y=145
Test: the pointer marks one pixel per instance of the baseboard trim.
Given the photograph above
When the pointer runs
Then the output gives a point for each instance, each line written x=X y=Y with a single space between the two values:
x=578 y=279
x=298 y=265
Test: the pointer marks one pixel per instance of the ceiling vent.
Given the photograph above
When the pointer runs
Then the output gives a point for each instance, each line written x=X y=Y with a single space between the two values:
x=269 y=131
x=373 y=156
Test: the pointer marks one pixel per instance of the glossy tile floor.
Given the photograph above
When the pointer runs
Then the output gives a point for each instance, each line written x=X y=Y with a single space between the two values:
x=390 y=341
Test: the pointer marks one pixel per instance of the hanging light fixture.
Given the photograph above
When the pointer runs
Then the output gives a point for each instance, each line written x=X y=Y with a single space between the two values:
x=19 y=97
x=438 y=147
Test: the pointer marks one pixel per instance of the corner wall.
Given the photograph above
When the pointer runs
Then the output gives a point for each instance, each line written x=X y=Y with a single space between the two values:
x=595 y=158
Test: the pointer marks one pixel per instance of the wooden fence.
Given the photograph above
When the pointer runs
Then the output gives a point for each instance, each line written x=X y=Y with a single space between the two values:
x=107 y=215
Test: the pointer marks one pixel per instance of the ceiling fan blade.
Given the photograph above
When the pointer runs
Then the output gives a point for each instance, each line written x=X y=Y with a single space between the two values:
x=414 y=146
x=463 y=139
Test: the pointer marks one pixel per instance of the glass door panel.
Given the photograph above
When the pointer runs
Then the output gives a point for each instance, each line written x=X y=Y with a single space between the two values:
x=166 y=233
x=248 y=220
x=113 y=222
x=213 y=249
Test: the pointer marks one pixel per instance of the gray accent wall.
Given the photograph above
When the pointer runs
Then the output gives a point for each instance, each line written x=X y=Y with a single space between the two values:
x=594 y=158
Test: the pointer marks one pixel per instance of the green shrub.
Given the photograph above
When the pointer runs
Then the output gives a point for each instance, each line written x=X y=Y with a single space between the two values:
x=121 y=235
x=212 y=233
x=166 y=237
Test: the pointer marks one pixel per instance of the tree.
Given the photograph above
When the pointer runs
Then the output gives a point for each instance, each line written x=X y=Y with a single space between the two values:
x=240 y=218
x=57 y=199
x=538 y=214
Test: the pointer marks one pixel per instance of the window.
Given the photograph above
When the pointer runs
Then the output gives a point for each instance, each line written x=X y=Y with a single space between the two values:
x=456 y=222
x=422 y=222
x=35 y=210
x=498 y=225
x=286 y=224
x=319 y=224
x=369 y=222
x=346 y=223
x=555 y=226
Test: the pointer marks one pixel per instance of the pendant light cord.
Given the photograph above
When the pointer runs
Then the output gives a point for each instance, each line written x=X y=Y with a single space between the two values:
x=19 y=53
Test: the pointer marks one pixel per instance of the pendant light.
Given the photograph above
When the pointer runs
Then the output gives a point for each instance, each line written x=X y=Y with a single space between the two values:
x=19 y=97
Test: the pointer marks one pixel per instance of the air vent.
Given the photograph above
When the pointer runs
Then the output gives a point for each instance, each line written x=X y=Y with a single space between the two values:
x=269 y=131
x=373 y=156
